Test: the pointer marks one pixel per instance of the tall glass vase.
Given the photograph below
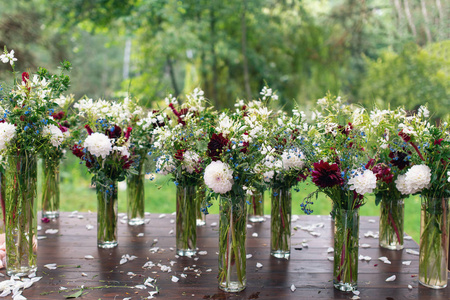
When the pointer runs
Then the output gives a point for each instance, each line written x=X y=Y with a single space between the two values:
x=392 y=212
x=280 y=223
x=434 y=234
x=136 y=195
x=50 y=188
x=201 y=217
x=346 y=238
x=186 y=222
x=232 y=234
x=106 y=213
x=21 y=214
x=256 y=209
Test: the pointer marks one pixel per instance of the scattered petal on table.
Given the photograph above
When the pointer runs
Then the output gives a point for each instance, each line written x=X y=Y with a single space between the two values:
x=51 y=231
x=254 y=234
x=365 y=246
x=202 y=252
x=140 y=234
x=175 y=279
x=392 y=278
x=50 y=266
x=372 y=221
x=330 y=258
x=293 y=288
x=356 y=293
x=411 y=251
x=213 y=224
x=249 y=256
x=162 y=216
x=259 y=265
x=89 y=227
x=330 y=250
x=88 y=257
x=84 y=275
x=410 y=287
x=406 y=262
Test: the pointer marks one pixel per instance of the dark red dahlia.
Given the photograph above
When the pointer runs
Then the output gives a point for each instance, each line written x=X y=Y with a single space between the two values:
x=77 y=150
x=127 y=133
x=406 y=138
x=345 y=129
x=326 y=175
x=217 y=145
x=63 y=128
x=180 y=153
x=58 y=115
x=25 y=77
x=114 y=133
x=438 y=142
x=383 y=172
x=400 y=159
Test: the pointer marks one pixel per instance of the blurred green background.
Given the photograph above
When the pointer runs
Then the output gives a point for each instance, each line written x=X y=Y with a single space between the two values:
x=372 y=52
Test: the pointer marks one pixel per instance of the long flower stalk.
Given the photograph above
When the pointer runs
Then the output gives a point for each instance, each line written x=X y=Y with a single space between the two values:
x=391 y=224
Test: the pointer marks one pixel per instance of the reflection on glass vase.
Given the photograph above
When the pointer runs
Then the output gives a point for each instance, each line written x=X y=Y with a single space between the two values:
x=201 y=217
x=346 y=239
x=434 y=230
x=232 y=234
x=21 y=214
x=391 y=226
x=50 y=188
x=136 y=195
x=280 y=223
x=256 y=209
x=186 y=221
x=106 y=213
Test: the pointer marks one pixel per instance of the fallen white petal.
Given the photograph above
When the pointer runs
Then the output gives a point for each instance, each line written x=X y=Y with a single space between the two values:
x=202 y=252
x=330 y=258
x=248 y=256
x=208 y=270
x=171 y=231
x=140 y=234
x=372 y=221
x=123 y=260
x=254 y=234
x=407 y=237
x=213 y=224
x=89 y=227
x=293 y=288
x=61 y=288
x=162 y=216
x=330 y=250
x=410 y=287
x=383 y=258
x=84 y=275
x=50 y=266
x=406 y=262
x=365 y=246
x=356 y=293
x=411 y=251
x=88 y=257
x=39 y=227
x=175 y=279
x=51 y=231
x=259 y=265
x=141 y=287
x=355 y=297
x=392 y=278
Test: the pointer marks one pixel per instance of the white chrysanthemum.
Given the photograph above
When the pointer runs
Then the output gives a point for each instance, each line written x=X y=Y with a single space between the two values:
x=98 y=144
x=401 y=185
x=191 y=161
x=363 y=183
x=55 y=134
x=219 y=177
x=7 y=133
x=418 y=178
x=165 y=165
x=292 y=159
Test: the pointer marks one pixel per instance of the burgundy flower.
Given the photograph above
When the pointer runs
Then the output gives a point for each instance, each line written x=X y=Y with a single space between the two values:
x=216 y=146
x=58 y=115
x=383 y=173
x=63 y=128
x=127 y=133
x=114 y=133
x=345 y=129
x=25 y=77
x=45 y=220
x=88 y=128
x=370 y=164
x=158 y=122
x=406 y=138
x=77 y=150
x=399 y=159
x=180 y=153
x=127 y=162
x=326 y=175
x=438 y=142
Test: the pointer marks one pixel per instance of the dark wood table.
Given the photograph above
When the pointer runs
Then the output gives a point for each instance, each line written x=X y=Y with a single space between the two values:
x=308 y=269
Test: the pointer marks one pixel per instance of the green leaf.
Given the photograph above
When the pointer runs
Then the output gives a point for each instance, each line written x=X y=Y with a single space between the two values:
x=74 y=295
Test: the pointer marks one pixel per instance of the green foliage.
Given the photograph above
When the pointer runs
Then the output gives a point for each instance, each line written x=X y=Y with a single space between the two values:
x=413 y=77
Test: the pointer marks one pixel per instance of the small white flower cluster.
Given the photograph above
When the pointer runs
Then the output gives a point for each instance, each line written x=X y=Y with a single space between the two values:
x=165 y=165
x=219 y=177
x=423 y=112
x=98 y=144
x=62 y=101
x=8 y=57
x=196 y=100
x=363 y=182
x=292 y=159
x=101 y=109
x=267 y=92
x=416 y=179
x=150 y=120
x=55 y=134
x=191 y=161
x=7 y=133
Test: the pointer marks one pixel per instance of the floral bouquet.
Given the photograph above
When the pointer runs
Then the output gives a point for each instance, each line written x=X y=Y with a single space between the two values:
x=141 y=140
x=60 y=140
x=27 y=128
x=181 y=150
x=104 y=148
x=283 y=168
x=389 y=164
x=428 y=147
x=340 y=170
x=234 y=151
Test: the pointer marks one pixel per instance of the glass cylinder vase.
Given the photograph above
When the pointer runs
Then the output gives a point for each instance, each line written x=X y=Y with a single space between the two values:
x=346 y=239
x=280 y=223
x=21 y=214
x=434 y=230
x=50 y=188
x=201 y=217
x=136 y=195
x=391 y=226
x=256 y=209
x=232 y=234
x=186 y=221
x=106 y=213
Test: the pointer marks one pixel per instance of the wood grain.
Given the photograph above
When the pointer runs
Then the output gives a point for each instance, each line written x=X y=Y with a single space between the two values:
x=308 y=269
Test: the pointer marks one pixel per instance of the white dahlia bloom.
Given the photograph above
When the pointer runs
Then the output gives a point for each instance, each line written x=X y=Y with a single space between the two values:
x=418 y=178
x=191 y=161
x=401 y=185
x=98 y=144
x=55 y=134
x=292 y=159
x=165 y=165
x=7 y=133
x=219 y=177
x=363 y=183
